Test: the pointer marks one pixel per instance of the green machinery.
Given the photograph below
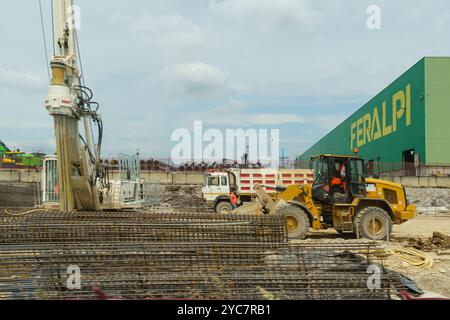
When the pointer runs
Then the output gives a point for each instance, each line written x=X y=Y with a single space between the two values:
x=19 y=158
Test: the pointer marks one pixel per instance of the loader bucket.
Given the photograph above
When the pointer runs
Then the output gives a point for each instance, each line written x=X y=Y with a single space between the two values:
x=250 y=208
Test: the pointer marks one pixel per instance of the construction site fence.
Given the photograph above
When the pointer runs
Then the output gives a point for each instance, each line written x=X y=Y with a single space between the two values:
x=158 y=171
x=373 y=168
x=398 y=169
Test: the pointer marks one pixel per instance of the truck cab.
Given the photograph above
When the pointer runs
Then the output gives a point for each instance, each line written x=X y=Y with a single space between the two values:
x=217 y=188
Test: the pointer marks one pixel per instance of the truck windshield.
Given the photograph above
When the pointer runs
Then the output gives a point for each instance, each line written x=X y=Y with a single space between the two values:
x=213 y=181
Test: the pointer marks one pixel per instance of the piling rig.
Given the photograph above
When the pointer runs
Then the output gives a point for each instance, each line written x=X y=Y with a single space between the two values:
x=83 y=182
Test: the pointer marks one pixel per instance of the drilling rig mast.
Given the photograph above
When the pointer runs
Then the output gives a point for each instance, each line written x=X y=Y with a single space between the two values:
x=68 y=101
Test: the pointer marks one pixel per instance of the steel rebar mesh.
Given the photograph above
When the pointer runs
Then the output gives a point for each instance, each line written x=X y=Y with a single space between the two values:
x=235 y=257
x=57 y=227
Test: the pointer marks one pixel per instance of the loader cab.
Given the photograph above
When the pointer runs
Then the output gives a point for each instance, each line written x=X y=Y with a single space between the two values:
x=338 y=179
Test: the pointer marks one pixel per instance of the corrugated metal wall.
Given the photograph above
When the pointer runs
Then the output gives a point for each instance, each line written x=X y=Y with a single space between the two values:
x=437 y=97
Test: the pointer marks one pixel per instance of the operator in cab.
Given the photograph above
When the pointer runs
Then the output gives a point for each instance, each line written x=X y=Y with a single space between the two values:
x=338 y=179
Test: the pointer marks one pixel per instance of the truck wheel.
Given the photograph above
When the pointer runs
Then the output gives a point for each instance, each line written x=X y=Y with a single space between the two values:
x=373 y=223
x=296 y=221
x=224 y=207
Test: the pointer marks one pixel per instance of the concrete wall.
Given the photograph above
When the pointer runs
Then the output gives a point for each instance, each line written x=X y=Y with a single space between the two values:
x=15 y=175
x=181 y=178
x=426 y=182
x=18 y=194
x=19 y=175
x=173 y=177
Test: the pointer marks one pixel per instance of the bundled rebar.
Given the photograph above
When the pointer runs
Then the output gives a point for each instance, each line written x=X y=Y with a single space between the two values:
x=92 y=227
x=132 y=255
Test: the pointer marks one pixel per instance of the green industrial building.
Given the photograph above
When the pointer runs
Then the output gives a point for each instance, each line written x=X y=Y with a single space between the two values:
x=405 y=127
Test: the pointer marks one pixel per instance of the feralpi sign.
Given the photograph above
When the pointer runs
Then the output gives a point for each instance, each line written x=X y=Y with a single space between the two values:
x=378 y=124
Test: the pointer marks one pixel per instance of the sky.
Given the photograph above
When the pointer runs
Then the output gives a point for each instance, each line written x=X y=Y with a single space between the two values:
x=155 y=66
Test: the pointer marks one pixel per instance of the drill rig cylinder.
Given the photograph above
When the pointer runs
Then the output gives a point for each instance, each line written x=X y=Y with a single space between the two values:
x=67 y=150
x=58 y=73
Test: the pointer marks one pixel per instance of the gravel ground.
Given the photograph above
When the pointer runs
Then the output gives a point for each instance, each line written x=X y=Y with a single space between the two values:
x=180 y=196
x=429 y=197
x=437 y=279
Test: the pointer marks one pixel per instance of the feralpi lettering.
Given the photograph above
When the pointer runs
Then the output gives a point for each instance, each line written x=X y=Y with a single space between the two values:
x=376 y=125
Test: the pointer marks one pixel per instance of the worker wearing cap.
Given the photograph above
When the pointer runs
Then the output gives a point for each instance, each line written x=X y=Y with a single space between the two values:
x=233 y=200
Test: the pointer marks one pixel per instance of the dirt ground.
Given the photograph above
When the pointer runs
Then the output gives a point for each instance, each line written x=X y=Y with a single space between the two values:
x=437 y=279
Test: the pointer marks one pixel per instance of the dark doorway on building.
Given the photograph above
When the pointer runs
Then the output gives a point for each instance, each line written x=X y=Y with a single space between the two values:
x=373 y=168
x=408 y=162
x=370 y=168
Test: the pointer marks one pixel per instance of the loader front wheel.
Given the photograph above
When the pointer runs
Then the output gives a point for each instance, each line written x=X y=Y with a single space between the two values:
x=373 y=223
x=296 y=220
x=224 y=207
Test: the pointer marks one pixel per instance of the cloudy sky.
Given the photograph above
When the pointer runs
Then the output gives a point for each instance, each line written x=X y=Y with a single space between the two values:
x=156 y=66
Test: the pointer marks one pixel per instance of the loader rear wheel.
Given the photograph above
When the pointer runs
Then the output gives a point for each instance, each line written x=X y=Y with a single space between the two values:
x=373 y=223
x=296 y=220
x=224 y=207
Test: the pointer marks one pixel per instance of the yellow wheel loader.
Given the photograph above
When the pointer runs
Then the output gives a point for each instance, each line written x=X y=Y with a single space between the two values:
x=341 y=197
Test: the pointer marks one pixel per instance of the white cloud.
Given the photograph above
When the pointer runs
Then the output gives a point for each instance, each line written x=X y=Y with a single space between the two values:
x=237 y=113
x=267 y=12
x=195 y=79
x=272 y=119
x=443 y=21
x=171 y=23
x=9 y=77
x=20 y=121
x=232 y=106
x=166 y=30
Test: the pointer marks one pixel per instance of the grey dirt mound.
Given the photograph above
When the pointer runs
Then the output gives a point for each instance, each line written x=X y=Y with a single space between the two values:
x=429 y=197
x=182 y=196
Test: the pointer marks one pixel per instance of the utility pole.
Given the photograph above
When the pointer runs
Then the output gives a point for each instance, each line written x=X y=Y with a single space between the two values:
x=283 y=159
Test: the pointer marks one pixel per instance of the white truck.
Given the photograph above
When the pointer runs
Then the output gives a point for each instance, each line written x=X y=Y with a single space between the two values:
x=218 y=185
